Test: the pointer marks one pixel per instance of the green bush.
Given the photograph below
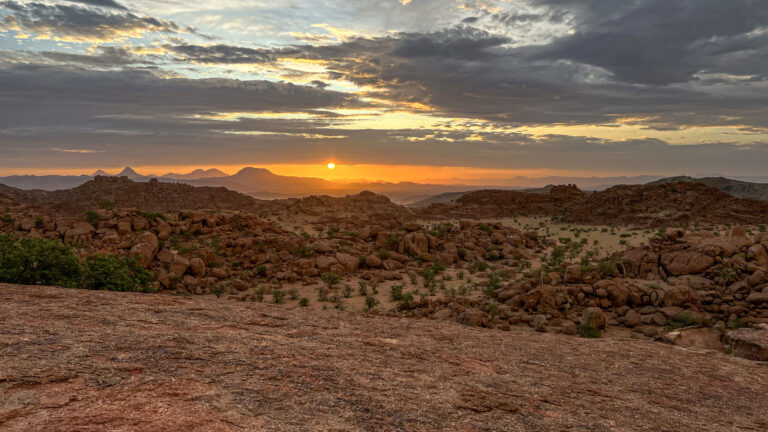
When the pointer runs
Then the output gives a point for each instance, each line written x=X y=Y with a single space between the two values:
x=106 y=205
x=681 y=320
x=588 y=329
x=330 y=278
x=38 y=262
x=92 y=218
x=113 y=273
x=396 y=292
x=370 y=302
x=304 y=302
x=278 y=295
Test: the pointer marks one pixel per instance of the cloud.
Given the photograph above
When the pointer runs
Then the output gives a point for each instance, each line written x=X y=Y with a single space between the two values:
x=224 y=54
x=80 y=24
x=657 y=42
x=101 y=3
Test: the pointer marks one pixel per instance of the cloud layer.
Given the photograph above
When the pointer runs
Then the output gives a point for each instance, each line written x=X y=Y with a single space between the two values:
x=644 y=86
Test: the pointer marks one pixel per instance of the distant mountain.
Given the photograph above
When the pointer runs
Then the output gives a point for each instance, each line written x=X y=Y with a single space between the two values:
x=46 y=182
x=737 y=188
x=196 y=174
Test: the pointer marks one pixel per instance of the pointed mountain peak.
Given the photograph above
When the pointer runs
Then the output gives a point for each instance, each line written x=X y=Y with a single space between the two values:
x=128 y=172
x=100 y=173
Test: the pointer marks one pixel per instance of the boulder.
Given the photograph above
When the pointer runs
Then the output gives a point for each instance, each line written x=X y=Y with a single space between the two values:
x=442 y=314
x=145 y=248
x=178 y=267
x=757 y=298
x=197 y=267
x=749 y=343
x=757 y=255
x=373 y=261
x=632 y=319
x=697 y=338
x=124 y=228
x=685 y=262
x=472 y=317
x=681 y=295
x=595 y=315
x=573 y=274
x=349 y=262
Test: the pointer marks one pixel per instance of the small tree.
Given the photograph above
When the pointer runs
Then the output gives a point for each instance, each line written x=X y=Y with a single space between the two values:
x=330 y=279
x=370 y=302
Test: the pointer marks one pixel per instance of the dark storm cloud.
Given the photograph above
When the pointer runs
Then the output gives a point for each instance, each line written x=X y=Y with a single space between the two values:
x=225 y=54
x=38 y=97
x=81 y=23
x=659 y=41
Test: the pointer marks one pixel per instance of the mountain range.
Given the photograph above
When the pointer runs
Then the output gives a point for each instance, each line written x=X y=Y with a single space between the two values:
x=264 y=184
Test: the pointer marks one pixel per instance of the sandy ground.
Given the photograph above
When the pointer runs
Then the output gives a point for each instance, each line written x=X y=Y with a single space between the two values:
x=87 y=361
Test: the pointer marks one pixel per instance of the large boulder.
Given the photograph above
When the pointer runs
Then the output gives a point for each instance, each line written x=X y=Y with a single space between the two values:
x=682 y=296
x=594 y=315
x=697 y=338
x=145 y=248
x=197 y=267
x=349 y=262
x=472 y=317
x=685 y=262
x=757 y=255
x=178 y=266
x=749 y=343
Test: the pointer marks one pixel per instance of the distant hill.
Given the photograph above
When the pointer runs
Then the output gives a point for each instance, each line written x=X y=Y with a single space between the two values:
x=670 y=203
x=196 y=174
x=737 y=188
x=125 y=193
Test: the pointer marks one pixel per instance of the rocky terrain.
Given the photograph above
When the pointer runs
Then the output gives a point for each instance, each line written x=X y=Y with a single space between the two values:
x=151 y=196
x=667 y=204
x=737 y=188
x=364 y=253
x=82 y=360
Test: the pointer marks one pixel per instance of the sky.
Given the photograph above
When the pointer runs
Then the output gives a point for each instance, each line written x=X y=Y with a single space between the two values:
x=419 y=90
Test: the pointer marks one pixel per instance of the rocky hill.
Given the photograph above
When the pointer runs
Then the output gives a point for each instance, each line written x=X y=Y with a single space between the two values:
x=740 y=189
x=80 y=360
x=638 y=205
x=121 y=192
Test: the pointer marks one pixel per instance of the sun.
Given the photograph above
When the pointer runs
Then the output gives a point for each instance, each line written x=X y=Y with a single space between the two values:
x=331 y=165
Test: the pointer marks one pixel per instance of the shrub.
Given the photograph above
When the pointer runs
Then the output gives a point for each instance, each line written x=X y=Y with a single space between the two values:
x=322 y=294
x=304 y=252
x=152 y=216
x=7 y=219
x=106 y=204
x=370 y=302
x=438 y=266
x=259 y=294
x=260 y=271
x=362 y=288
x=294 y=293
x=330 y=278
x=304 y=302
x=113 y=273
x=278 y=295
x=347 y=291
x=38 y=262
x=396 y=292
x=92 y=218
x=681 y=320
x=461 y=252
x=588 y=329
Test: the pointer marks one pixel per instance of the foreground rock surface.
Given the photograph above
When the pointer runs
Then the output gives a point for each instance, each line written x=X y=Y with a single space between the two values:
x=83 y=360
